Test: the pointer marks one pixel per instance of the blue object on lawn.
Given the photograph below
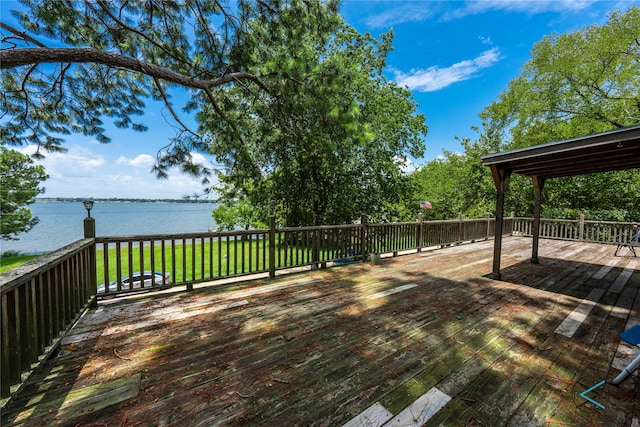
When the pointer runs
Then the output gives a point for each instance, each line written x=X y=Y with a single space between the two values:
x=347 y=257
x=632 y=336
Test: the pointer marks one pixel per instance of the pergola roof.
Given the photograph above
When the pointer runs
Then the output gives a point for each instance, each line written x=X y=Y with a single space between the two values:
x=614 y=150
x=617 y=149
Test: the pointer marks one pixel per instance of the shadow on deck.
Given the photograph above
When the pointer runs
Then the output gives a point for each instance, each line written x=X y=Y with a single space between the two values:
x=419 y=339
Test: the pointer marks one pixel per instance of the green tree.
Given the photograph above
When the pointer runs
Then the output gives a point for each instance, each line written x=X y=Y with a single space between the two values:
x=333 y=145
x=70 y=65
x=234 y=213
x=19 y=186
x=575 y=84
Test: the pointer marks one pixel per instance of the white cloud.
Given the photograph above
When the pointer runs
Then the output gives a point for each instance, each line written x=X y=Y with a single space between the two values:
x=139 y=160
x=412 y=11
x=406 y=164
x=76 y=162
x=199 y=158
x=530 y=7
x=436 y=78
x=405 y=12
x=81 y=172
x=486 y=40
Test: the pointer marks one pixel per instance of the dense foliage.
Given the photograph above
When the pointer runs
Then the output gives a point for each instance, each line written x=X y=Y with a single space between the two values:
x=19 y=186
x=332 y=147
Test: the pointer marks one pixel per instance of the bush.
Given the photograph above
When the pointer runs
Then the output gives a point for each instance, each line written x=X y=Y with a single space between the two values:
x=9 y=254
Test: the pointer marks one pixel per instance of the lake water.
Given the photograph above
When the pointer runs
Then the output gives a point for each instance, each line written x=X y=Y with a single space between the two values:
x=61 y=223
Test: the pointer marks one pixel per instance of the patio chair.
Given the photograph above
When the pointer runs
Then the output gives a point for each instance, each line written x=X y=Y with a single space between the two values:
x=634 y=242
x=632 y=336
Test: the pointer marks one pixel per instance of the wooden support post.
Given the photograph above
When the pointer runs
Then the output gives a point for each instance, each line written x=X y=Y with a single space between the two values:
x=538 y=185
x=460 y=230
x=501 y=181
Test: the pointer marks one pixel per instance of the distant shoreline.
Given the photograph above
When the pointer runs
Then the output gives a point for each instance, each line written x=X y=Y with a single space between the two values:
x=120 y=200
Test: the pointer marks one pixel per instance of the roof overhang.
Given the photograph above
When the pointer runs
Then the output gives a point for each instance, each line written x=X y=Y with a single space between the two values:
x=617 y=149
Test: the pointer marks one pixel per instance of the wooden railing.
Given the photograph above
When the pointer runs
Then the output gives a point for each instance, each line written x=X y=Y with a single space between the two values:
x=580 y=230
x=187 y=259
x=40 y=301
x=184 y=258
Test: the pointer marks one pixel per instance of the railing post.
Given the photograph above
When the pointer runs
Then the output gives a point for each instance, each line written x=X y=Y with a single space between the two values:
x=581 y=230
x=513 y=222
x=460 y=231
x=315 y=249
x=420 y=228
x=488 y=225
x=92 y=283
x=364 y=247
x=272 y=246
x=89 y=228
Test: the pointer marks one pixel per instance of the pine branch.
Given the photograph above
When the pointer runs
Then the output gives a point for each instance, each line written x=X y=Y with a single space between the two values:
x=27 y=56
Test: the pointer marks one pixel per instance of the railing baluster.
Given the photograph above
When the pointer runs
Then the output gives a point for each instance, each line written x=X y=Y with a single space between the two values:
x=193 y=259
x=210 y=257
x=141 y=262
x=22 y=327
x=219 y=257
x=202 y=253
x=164 y=260
x=129 y=262
x=227 y=256
x=250 y=251
x=183 y=262
x=105 y=264
x=152 y=262
x=31 y=333
x=235 y=253
x=11 y=308
x=243 y=239
x=40 y=307
x=7 y=374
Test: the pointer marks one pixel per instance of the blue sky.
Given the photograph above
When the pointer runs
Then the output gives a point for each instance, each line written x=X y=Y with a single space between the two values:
x=455 y=56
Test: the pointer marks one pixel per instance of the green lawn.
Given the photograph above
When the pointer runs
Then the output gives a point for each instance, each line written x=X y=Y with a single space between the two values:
x=210 y=260
x=219 y=261
x=9 y=262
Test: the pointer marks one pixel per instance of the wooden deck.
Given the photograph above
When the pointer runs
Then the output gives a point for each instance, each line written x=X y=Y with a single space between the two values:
x=423 y=339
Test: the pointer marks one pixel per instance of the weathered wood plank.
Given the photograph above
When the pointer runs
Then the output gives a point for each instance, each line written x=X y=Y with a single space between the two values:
x=422 y=410
x=375 y=415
